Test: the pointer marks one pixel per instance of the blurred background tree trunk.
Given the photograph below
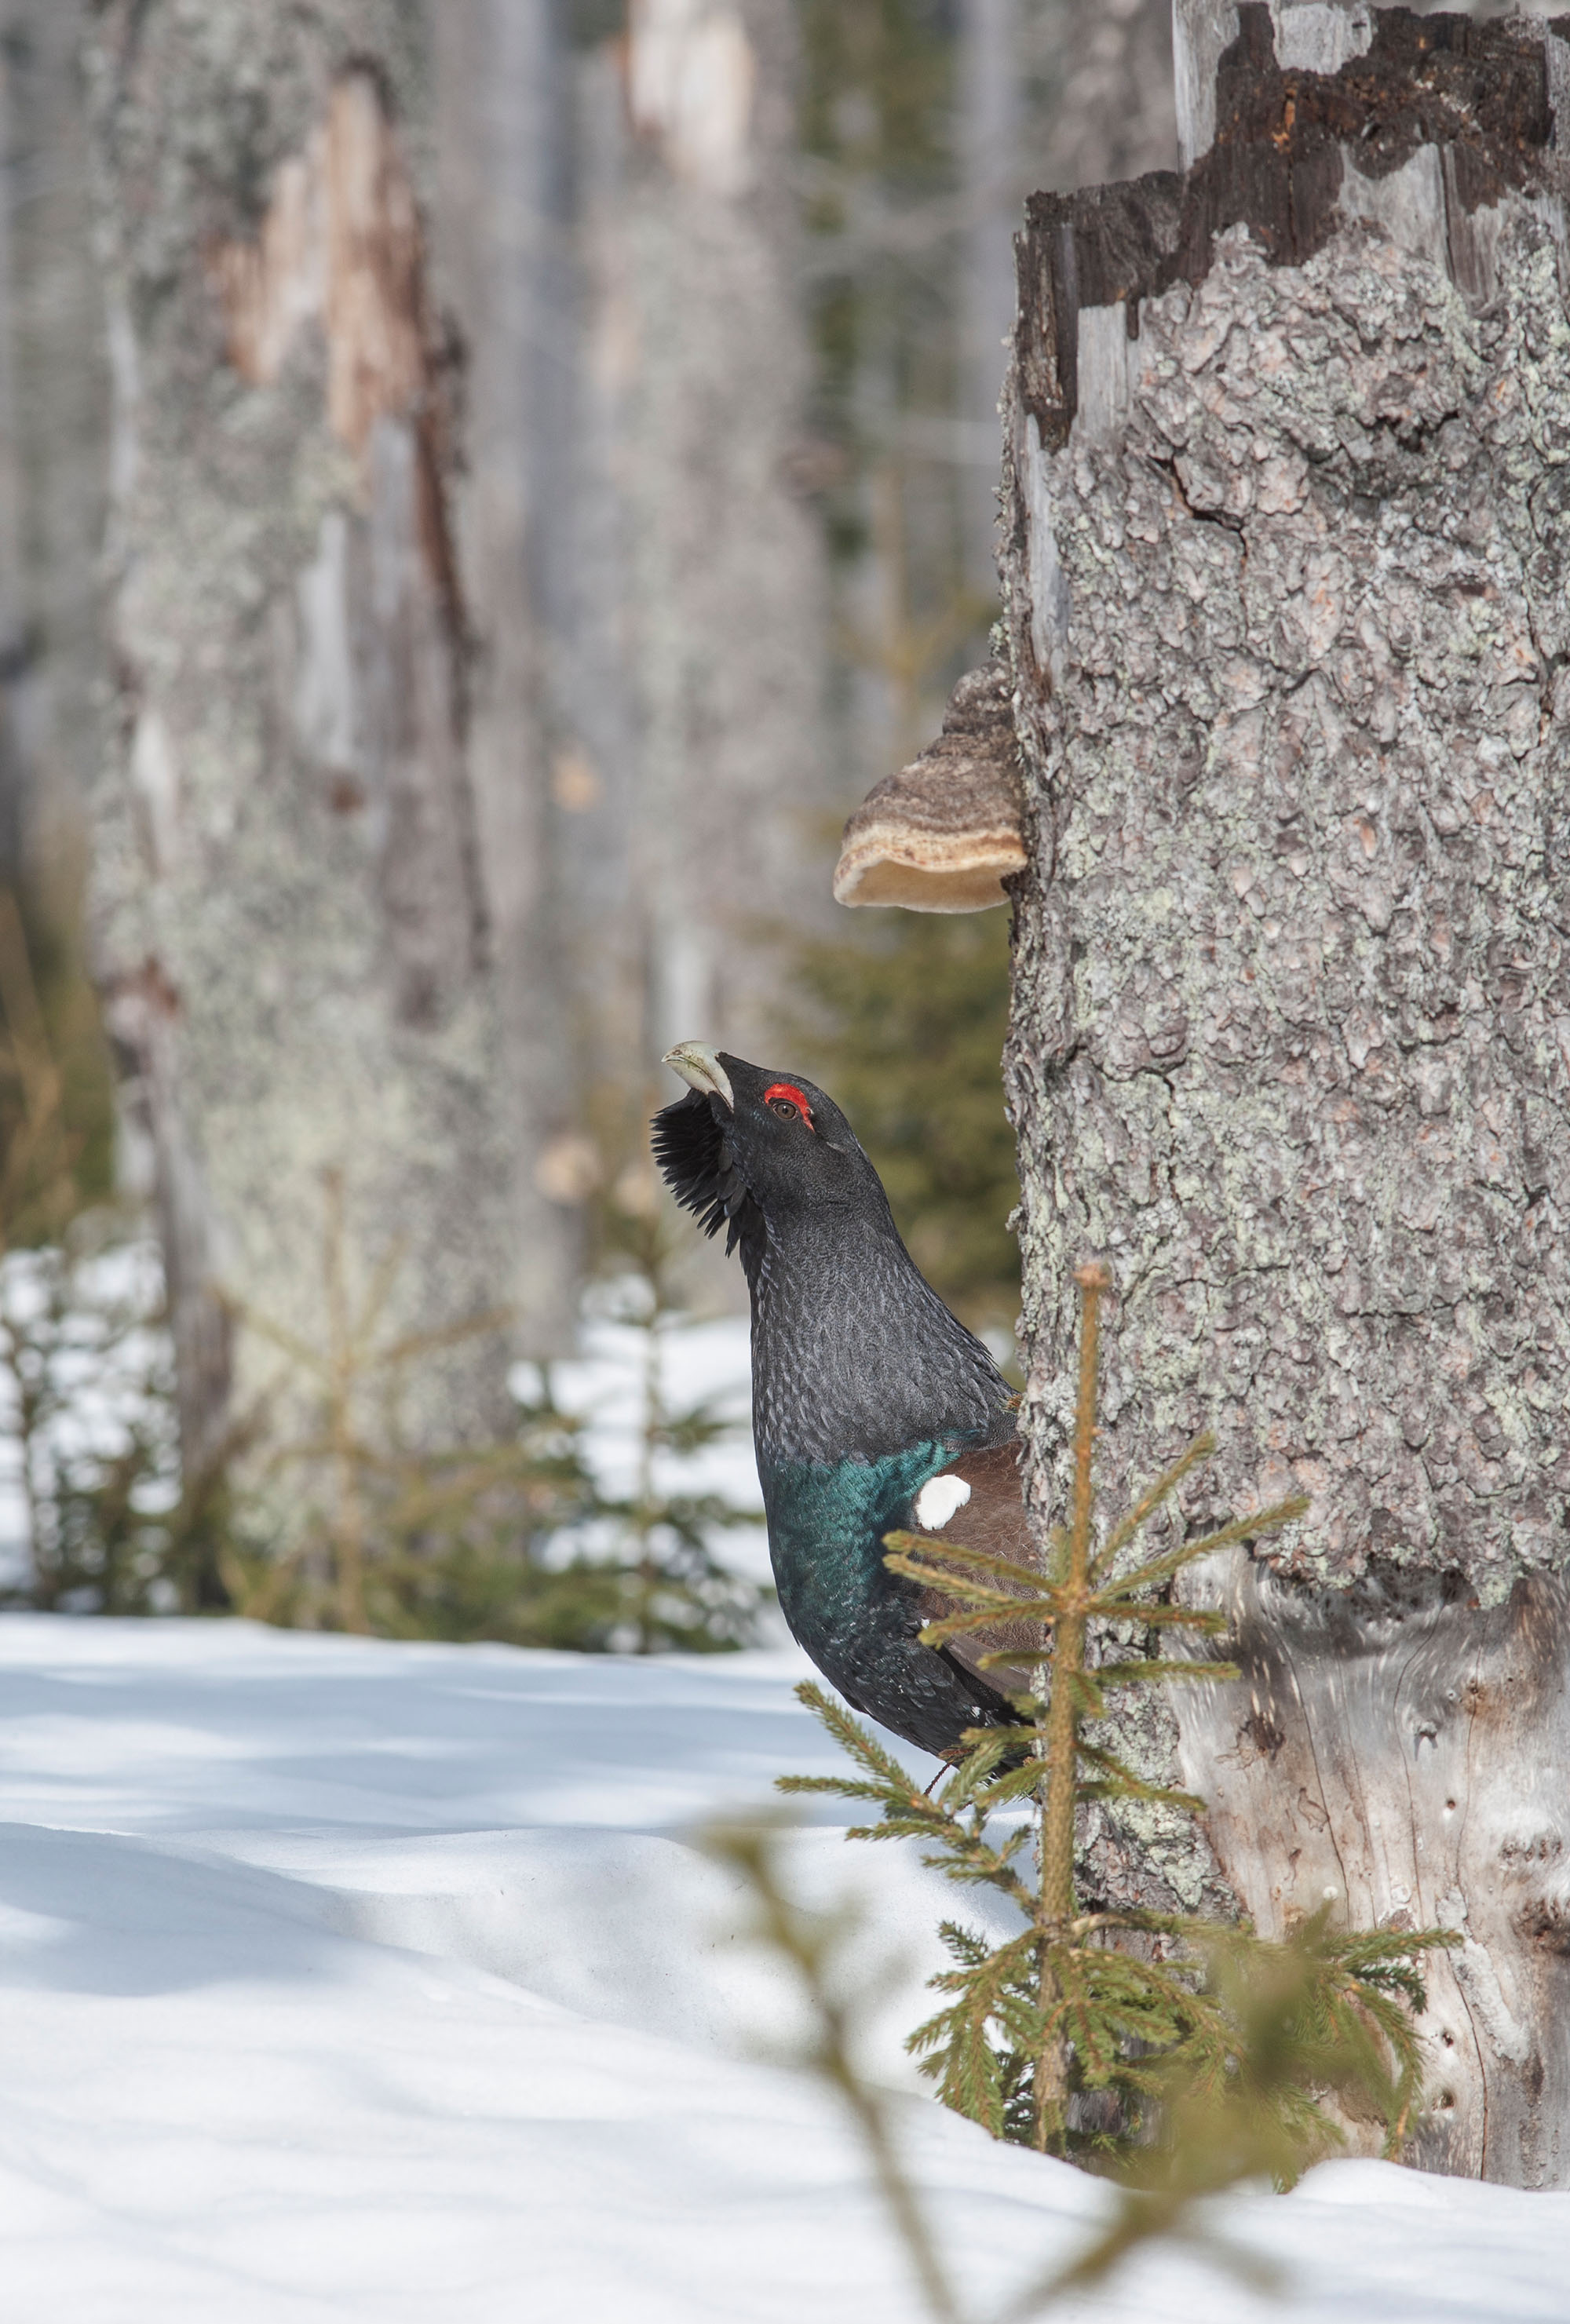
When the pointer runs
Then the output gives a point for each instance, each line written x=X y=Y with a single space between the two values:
x=53 y=483
x=14 y=654
x=312 y=914
x=54 y=445
x=1286 y=567
x=504 y=273
x=700 y=395
x=723 y=587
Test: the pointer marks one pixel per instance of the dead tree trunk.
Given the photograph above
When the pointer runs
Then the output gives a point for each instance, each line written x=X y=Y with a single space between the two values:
x=1287 y=563
x=303 y=946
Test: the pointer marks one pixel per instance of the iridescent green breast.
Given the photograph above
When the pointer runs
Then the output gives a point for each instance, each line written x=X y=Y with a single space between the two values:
x=825 y=1538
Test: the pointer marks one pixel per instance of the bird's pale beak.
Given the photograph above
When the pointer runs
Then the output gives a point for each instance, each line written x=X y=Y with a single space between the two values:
x=701 y=1069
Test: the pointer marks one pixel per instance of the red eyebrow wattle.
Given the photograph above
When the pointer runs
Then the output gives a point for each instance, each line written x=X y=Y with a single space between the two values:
x=787 y=1090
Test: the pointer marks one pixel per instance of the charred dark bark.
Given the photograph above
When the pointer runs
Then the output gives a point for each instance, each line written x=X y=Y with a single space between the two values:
x=1287 y=581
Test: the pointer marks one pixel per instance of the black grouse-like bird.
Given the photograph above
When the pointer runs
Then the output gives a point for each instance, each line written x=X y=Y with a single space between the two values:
x=874 y=1409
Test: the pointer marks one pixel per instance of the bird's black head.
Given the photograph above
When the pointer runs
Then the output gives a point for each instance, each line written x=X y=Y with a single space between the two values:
x=749 y=1144
x=854 y=1355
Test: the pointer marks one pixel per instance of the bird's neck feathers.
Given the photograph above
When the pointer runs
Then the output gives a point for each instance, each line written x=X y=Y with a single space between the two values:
x=855 y=1356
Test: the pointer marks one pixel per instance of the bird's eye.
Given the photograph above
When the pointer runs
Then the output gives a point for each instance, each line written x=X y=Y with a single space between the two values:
x=784 y=1099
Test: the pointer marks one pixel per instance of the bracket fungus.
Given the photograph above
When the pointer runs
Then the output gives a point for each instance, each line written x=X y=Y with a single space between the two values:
x=944 y=833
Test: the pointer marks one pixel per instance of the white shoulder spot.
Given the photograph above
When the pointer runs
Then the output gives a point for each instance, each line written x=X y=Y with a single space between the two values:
x=937 y=1500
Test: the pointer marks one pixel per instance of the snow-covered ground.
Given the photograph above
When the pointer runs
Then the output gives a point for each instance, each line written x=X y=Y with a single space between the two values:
x=351 y=1980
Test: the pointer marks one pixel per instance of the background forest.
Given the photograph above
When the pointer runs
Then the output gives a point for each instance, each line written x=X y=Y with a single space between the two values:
x=485 y=486
x=357 y=890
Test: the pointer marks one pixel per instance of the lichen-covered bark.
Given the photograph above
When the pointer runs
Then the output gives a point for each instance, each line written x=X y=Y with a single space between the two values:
x=1304 y=794
x=1288 y=601
x=293 y=922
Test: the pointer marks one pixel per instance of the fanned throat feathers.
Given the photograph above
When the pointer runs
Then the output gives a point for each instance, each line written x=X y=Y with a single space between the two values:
x=694 y=1157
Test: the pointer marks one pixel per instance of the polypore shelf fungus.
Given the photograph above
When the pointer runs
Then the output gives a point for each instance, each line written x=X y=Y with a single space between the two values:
x=944 y=833
x=1287 y=577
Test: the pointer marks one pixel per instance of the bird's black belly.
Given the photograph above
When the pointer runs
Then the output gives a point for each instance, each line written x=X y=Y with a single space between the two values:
x=921 y=1695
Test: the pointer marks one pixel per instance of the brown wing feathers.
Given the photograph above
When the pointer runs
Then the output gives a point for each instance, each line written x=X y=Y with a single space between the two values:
x=993 y=1520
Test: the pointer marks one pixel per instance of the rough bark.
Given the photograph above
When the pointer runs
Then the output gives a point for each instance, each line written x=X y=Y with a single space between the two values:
x=1287 y=584
x=303 y=951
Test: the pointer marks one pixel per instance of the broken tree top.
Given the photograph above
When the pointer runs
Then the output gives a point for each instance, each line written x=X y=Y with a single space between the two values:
x=1292 y=152
x=1302 y=117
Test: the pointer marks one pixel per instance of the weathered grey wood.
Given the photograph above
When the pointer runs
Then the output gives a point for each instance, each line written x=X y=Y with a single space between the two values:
x=1400 y=1757
x=1201 y=30
x=1287 y=583
x=1316 y=36
x=300 y=942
